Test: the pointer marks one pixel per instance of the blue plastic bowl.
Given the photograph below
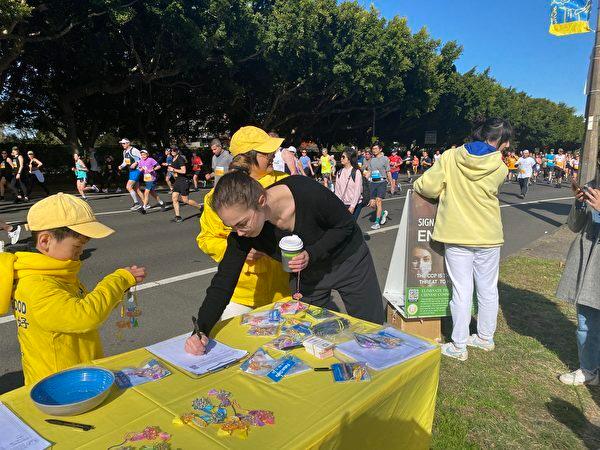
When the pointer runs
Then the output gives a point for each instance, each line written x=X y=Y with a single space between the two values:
x=72 y=391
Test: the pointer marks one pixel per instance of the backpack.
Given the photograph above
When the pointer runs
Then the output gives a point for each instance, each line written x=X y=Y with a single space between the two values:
x=366 y=189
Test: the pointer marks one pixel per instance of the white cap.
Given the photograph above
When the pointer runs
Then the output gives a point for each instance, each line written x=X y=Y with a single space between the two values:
x=291 y=243
x=124 y=141
x=291 y=148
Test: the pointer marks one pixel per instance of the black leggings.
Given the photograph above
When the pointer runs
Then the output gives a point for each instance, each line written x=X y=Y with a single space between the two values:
x=356 y=281
x=22 y=188
x=32 y=180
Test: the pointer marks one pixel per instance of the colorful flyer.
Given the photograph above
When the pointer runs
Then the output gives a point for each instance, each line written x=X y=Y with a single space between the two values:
x=262 y=318
x=290 y=308
x=320 y=313
x=151 y=371
x=268 y=330
x=260 y=363
x=356 y=371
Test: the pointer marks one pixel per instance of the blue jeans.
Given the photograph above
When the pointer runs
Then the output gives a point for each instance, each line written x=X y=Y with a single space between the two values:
x=588 y=337
x=357 y=210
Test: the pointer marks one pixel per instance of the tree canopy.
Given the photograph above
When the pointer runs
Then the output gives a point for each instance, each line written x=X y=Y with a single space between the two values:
x=310 y=69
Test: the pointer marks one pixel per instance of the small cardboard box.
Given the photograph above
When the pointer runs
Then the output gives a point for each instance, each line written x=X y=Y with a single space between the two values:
x=429 y=328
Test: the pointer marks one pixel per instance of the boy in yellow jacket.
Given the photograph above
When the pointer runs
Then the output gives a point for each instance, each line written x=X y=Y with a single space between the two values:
x=57 y=319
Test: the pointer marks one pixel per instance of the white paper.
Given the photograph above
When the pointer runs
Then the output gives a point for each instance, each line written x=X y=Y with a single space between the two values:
x=16 y=434
x=379 y=358
x=217 y=355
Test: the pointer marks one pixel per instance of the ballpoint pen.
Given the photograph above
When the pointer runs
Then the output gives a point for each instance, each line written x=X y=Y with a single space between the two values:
x=64 y=423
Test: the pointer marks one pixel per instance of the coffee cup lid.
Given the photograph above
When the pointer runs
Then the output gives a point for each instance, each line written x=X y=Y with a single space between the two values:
x=291 y=243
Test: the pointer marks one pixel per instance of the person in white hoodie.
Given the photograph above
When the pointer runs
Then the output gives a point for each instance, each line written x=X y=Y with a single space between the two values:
x=466 y=181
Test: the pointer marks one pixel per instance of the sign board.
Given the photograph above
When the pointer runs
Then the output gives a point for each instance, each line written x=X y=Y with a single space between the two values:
x=431 y=137
x=417 y=283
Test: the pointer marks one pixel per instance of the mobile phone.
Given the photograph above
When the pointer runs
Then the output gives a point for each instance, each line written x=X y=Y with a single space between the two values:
x=578 y=188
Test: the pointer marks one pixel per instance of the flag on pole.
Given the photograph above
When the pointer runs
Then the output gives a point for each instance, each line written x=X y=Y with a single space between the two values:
x=569 y=16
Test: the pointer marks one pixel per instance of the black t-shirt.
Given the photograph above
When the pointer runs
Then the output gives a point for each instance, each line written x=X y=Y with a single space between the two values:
x=5 y=168
x=329 y=233
x=178 y=163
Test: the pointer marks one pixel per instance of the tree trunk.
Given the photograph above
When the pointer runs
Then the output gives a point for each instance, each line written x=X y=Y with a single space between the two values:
x=70 y=125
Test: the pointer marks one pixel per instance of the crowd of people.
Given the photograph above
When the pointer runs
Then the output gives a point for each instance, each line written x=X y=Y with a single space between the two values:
x=256 y=201
x=552 y=167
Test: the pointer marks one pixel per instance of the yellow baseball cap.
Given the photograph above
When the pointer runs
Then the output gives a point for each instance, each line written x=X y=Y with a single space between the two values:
x=253 y=138
x=64 y=210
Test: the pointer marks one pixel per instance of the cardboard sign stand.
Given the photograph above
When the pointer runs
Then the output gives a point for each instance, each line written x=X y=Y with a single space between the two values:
x=398 y=282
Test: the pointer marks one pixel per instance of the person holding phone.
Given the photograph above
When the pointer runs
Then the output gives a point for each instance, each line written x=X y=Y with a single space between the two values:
x=580 y=283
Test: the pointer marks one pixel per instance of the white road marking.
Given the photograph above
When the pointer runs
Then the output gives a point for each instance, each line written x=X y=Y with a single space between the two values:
x=185 y=276
x=199 y=273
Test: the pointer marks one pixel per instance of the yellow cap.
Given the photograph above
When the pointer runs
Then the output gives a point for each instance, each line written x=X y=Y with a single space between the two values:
x=253 y=138
x=64 y=210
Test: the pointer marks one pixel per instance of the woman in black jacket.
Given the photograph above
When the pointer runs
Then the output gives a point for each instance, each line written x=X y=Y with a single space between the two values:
x=335 y=255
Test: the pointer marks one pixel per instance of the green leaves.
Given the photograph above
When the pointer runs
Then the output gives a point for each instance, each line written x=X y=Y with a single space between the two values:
x=324 y=70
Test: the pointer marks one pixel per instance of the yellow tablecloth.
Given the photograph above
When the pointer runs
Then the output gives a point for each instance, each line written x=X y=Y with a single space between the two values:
x=394 y=410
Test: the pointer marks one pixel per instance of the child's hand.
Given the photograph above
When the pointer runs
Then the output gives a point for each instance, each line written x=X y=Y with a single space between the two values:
x=138 y=272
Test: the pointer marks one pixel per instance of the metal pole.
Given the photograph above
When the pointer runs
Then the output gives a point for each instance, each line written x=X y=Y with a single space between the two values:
x=589 y=157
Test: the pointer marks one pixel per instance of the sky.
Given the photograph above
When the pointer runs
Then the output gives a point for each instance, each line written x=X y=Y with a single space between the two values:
x=509 y=36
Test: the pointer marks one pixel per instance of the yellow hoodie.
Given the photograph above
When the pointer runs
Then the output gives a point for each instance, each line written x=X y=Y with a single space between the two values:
x=466 y=183
x=57 y=319
x=261 y=282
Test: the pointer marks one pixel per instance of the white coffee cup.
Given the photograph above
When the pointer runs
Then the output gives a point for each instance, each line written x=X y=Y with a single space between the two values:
x=290 y=246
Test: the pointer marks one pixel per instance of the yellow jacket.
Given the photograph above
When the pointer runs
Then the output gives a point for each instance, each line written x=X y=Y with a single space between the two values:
x=466 y=180
x=57 y=319
x=261 y=282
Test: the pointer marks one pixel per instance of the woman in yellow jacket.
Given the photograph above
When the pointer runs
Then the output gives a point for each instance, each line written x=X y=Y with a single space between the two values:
x=466 y=181
x=262 y=280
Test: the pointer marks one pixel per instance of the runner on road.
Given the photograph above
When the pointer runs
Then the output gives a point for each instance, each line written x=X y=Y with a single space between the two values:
x=19 y=173
x=325 y=163
x=395 y=164
x=408 y=164
x=148 y=166
x=181 y=186
x=525 y=165
x=197 y=170
x=560 y=165
x=306 y=165
x=131 y=159
x=35 y=174
x=6 y=175
x=549 y=158
x=81 y=172
x=220 y=161
x=377 y=170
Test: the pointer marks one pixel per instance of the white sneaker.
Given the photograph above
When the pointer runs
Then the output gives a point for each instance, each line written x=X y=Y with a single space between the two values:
x=383 y=218
x=135 y=207
x=14 y=235
x=475 y=341
x=105 y=191
x=95 y=188
x=579 y=377
x=375 y=226
x=147 y=207
x=118 y=190
x=451 y=350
